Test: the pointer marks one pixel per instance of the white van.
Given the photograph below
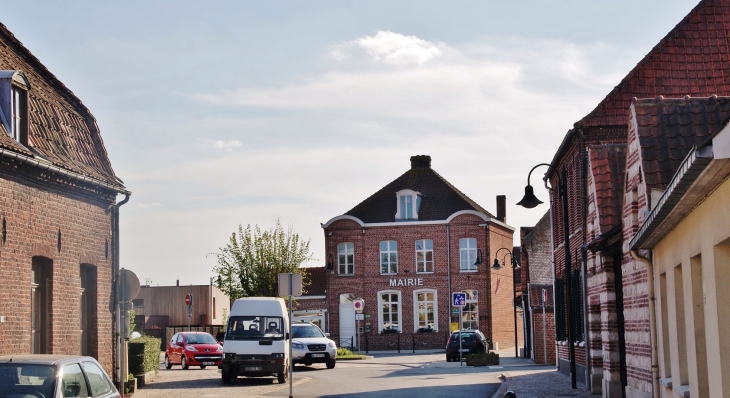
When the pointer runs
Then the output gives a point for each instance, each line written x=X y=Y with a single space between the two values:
x=256 y=342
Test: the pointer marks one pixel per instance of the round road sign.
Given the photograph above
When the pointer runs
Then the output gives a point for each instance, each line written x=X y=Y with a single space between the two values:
x=188 y=299
x=358 y=305
x=128 y=285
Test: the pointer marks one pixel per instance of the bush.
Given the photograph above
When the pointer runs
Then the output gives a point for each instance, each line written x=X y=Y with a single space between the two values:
x=343 y=351
x=144 y=355
x=482 y=359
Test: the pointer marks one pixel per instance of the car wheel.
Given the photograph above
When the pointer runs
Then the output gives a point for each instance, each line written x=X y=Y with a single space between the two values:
x=283 y=376
x=225 y=377
x=448 y=358
x=202 y=366
x=168 y=365
x=184 y=363
x=331 y=363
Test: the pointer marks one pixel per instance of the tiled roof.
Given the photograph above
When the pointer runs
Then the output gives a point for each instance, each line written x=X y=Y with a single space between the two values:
x=317 y=282
x=608 y=163
x=439 y=200
x=692 y=59
x=536 y=295
x=62 y=130
x=669 y=128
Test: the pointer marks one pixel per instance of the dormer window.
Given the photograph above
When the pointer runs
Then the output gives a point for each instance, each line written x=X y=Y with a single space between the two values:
x=409 y=202
x=14 y=88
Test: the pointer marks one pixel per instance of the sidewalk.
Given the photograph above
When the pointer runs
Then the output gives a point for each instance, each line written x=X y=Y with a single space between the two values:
x=526 y=379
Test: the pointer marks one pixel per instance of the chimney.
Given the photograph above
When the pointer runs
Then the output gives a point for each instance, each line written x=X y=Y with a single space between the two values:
x=502 y=208
x=178 y=282
x=420 y=162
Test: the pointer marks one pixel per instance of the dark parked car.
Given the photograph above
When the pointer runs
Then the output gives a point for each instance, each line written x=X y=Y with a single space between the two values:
x=472 y=341
x=193 y=348
x=53 y=376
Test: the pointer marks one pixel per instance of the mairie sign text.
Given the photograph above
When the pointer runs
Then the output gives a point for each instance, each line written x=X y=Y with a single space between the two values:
x=406 y=282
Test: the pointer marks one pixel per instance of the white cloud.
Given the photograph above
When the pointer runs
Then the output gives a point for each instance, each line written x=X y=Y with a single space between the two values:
x=223 y=145
x=391 y=48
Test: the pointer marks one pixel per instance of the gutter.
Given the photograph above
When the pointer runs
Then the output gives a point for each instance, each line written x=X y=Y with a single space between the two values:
x=115 y=289
x=58 y=170
x=652 y=322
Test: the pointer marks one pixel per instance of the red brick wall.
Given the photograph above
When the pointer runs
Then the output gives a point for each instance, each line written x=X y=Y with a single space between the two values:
x=35 y=208
x=537 y=350
x=495 y=307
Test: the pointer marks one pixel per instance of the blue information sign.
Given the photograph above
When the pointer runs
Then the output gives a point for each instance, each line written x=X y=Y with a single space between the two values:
x=458 y=299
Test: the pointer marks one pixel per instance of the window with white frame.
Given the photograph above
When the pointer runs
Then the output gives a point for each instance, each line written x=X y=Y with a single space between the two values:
x=424 y=255
x=389 y=311
x=409 y=202
x=388 y=257
x=470 y=312
x=346 y=258
x=468 y=254
x=425 y=310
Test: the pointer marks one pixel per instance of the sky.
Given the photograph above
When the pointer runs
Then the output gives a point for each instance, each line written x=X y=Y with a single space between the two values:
x=224 y=113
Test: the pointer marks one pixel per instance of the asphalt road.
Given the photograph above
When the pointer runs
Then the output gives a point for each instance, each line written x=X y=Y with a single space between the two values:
x=419 y=375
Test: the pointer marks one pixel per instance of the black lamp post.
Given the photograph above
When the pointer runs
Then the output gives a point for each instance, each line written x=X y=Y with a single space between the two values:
x=529 y=201
x=514 y=267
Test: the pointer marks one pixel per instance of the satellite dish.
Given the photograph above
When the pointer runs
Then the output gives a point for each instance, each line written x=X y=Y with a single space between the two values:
x=128 y=285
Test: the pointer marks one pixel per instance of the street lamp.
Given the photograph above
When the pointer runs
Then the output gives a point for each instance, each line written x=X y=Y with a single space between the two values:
x=514 y=267
x=529 y=201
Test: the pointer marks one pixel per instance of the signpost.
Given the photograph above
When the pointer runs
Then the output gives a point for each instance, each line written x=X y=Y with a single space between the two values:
x=458 y=299
x=358 y=305
x=290 y=284
x=128 y=289
x=189 y=303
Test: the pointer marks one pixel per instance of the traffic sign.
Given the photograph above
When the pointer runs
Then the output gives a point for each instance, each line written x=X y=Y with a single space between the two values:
x=458 y=299
x=358 y=305
x=188 y=299
x=128 y=285
x=455 y=311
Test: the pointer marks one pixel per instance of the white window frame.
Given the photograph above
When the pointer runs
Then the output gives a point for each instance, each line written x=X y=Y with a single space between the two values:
x=424 y=251
x=435 y=302
x=381 y=322
x=389 y=252
x=468 y=255
x=470 y=294
x=408 y=195
x=345 y=249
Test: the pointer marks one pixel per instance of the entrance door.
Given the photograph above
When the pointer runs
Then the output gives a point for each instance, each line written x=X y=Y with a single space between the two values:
x=347 y=320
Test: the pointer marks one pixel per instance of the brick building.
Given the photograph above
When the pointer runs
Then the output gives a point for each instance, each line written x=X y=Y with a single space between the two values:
x=403 y=250
x=58 y=214
x=610 y=287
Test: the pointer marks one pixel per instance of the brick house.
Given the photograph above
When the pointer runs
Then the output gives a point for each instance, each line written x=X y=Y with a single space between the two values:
x=675 y=203
x=537 y=274
x=403 y=250
x=58 y=216
x=692 y=59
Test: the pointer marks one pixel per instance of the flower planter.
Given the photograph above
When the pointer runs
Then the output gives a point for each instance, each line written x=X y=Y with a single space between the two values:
x=482 y=359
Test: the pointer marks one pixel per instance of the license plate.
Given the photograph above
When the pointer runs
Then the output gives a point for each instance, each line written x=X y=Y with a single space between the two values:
x=252 y=368
x=464 y=350
x=208 y=363
x=317 y=355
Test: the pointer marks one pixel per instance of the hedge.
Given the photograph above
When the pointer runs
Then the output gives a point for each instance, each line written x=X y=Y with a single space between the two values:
x=144 y=355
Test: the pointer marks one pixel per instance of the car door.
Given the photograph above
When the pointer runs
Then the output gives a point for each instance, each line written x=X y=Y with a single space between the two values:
x=179 y=348
x=171 y=348
x=73 y=382
x=99 y=383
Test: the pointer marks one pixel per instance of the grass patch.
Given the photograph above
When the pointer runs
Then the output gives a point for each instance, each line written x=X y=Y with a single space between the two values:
x=351 y=357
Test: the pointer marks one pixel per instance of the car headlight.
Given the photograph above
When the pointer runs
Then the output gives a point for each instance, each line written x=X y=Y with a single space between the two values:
x=191 y=348
x=331 y=344
x=277 y=355
x=298 y=346
x=219 y=349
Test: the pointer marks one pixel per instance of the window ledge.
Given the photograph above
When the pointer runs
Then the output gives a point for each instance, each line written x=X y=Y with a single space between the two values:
x=390 y=274
x=425 y=272
x=350 y=275
x=682 y=391
x=666 y=382
x=470 y=271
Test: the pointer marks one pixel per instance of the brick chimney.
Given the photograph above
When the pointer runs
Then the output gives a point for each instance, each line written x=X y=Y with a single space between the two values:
x=420 y=162
x=502 y=208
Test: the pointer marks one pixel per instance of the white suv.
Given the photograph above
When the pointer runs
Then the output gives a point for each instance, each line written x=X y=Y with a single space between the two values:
x=309 y=345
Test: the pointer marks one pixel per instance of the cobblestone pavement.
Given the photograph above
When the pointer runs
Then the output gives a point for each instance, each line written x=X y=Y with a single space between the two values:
x=539 y=382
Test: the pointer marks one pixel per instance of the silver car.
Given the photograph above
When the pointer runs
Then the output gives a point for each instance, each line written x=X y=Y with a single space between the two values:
x=309 y=345
x=53 y=376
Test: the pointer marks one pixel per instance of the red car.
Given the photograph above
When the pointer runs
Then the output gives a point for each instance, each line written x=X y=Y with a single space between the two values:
x=193 y=348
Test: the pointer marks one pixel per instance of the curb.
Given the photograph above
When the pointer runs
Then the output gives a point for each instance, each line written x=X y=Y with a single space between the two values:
x=364 y=357
x=506 y=378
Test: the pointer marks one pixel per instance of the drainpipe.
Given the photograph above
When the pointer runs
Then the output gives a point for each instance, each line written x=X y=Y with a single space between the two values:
x=652 y=322
x=448 y=278
x=115 y=266
x=586 y=328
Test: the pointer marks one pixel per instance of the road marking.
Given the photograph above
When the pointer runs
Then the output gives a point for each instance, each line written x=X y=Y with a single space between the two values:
x=278 y=387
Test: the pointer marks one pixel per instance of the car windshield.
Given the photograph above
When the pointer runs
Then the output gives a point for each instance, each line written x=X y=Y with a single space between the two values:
x=200 y=339
x=20 y=379
x=255 y=328
x=467 y=338
x=299 y=332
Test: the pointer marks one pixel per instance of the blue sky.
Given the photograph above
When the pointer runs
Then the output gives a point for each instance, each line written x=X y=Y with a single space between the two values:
x=228 y=112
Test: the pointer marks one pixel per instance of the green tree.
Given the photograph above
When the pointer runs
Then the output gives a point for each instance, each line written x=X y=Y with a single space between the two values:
x=250 y=263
